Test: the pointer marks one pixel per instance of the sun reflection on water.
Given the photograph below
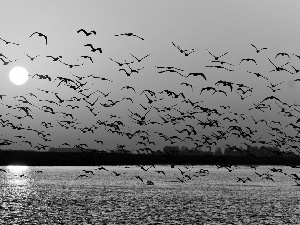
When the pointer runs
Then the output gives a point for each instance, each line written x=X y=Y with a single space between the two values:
x=18 y=175
x=17 y=169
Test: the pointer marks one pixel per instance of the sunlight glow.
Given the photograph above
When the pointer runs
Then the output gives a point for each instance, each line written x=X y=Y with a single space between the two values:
x=18 y=75
x=17 y=169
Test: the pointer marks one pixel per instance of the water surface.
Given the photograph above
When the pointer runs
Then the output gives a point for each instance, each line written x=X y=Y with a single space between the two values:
x=54 y=195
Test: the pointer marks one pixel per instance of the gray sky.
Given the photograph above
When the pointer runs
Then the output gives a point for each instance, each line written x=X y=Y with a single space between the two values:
x=218 y=26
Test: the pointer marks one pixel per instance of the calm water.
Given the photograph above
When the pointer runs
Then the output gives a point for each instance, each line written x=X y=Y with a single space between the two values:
x=54 y=195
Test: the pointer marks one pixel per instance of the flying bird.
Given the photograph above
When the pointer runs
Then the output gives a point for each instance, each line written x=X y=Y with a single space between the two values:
x=8 y=42
x=139 y=60
x=86 y=57
x=93 y=49
x=40 y=35
x=130 y=34
x=86 y=33
x=216 y=57
x=32 y=58
x=282 y=54
x=197 y=74
x=248 y=60
x=185 y=52
x=257 y=49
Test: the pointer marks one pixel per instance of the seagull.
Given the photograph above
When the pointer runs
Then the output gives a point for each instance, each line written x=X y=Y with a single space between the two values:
x=40 y=35
x=93 y=49
x=3 y=170
x=31 y=58
x=86 y=33
x=8 y=42
x=248 y=60
x=216 y=57
x=130 y=34
x=139 y=60
x=197 y=74
x=257 y=50
x=81 y=176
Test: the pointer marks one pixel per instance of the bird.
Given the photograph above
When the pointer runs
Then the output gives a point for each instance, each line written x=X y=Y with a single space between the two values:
x=257 y=49
x=220 y=91
x=8 y=42
x=248 y=60
x=258 y=75
x=220 y=67
x=187 y=85
x=54 y=58
x=3 y=170
x=244 y=180
x=102 y=168
x=282 y=54
x=160 y=171
x=217 y=57
x=225 y=83
x=222 y=62
x=130 y=34
x=128 y=87
x=139 y=60
x=40 y=35
x=86 y=57
x=279 y=68
x=117 y=174
x=207 y=89
x=138 y=177
x=86 y=33
x=88 y=171
x=32 y=58
x=149 y=182
x=197 y=74
x=93 y=49
x=121 y=64
x=82 y=175
x=185 y=52
x=6 y=62
x=101 y=78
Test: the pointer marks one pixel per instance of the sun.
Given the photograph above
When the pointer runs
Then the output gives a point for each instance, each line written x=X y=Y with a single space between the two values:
x=18 y=75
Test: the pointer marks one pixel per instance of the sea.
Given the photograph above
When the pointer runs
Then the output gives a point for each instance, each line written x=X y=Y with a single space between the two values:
x=160 y=194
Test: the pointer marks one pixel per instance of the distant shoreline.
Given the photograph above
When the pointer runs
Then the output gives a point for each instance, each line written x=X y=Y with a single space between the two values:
x=31 y=158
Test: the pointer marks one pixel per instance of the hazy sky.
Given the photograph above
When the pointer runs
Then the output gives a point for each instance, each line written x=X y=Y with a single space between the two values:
x=218 y=26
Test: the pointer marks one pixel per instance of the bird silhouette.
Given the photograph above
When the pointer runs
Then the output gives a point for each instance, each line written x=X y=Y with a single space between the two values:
x=86 y=33
x=8 y=42
x=279 y=68
x=139 y=60
x=32 y=58
x=257 y=49
x=93 y=49
x=248 y=60
x=82 y=175
x=217 y=57
x=40 y=35
x=86 y=57
x=54 y=58
x=130 y=35
x=102 y=168
x=197 y=74
x=244 y=180
x=282 y=54
x=185 y=52
x=138 y=177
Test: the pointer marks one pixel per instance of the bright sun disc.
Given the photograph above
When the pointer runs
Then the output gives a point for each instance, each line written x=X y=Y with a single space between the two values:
x=18 y=75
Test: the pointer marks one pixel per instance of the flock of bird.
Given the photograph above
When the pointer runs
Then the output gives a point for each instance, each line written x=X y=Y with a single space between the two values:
x=94 y=105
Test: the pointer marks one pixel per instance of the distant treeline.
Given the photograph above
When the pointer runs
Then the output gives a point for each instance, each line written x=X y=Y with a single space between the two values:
x=171 y=155
x=250 y=151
